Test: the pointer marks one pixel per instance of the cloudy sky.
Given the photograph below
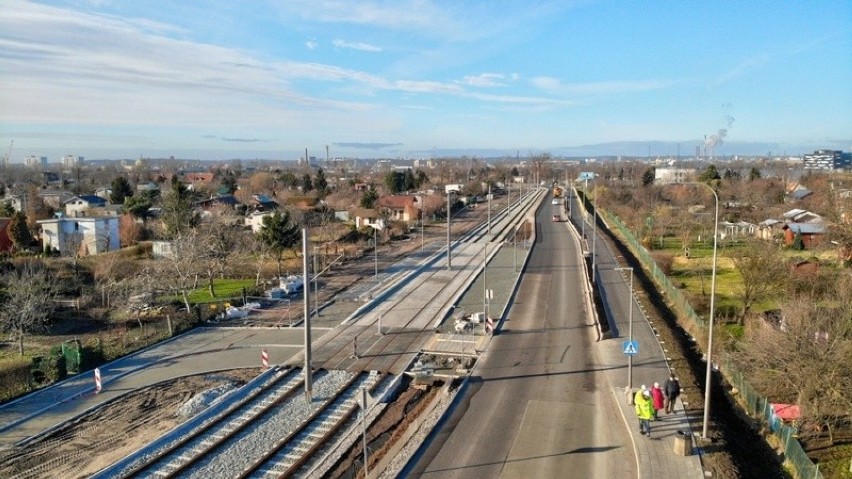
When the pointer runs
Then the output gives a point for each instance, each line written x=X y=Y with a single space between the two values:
x=224 y=79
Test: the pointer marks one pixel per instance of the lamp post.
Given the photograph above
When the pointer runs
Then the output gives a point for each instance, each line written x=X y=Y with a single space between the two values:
x=630 y=337
x=709 y=370
x=707 y=379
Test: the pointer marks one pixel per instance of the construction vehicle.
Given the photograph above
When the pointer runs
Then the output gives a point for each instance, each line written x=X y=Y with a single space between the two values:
x=557 y=191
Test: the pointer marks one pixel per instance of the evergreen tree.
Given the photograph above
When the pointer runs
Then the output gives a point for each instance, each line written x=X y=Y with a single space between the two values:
x=19 y=232
x=420 y=179
x=409 y=183
x=307 y=184
x=754 y=174
x=6 y=209
x=229 y=181
x=648 y=177
x=138 y=206
x=709 y=174
x=121 y=189
x=178 y=213
x=280 y=234
x=368 y=200
x=321 y=184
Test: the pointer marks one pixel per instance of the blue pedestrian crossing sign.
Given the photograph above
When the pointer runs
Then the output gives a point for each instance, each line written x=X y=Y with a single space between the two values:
x=630 y=347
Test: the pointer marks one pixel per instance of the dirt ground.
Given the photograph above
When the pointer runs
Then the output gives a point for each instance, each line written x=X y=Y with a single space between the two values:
x=79 y=448
x=382 y=434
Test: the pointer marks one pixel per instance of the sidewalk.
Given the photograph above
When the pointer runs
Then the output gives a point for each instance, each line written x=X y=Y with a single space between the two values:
x=201 y=350
x=656 y=457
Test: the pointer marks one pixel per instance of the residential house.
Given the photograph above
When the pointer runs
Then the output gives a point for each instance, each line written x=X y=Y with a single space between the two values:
x=263 y=203
x=83 y=236
x=801 y=216
x=798 y=194
x=769 y=229
x=399 y=207
x=104 y=192
x=54 y=198
x=255 y=220
x=812 y=233
x=227 y=202
x=196 y=180
x=85 y=205
x=366 y=217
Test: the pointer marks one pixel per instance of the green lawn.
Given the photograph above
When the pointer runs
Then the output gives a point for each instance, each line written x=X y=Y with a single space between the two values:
x=224 y=288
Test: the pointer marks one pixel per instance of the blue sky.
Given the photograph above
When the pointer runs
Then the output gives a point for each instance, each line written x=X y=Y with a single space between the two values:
x=211 y=80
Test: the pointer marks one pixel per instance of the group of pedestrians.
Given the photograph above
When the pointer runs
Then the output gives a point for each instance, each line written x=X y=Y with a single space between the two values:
x=649 y=402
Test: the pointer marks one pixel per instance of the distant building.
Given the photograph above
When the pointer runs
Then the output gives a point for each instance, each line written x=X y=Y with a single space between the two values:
x=667 y=176
x=35 y=161
x=71 y=160
x=829 y=160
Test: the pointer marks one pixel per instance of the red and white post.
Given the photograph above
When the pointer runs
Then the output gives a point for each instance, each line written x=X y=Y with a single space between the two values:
x=97 y=380
x=264 y=358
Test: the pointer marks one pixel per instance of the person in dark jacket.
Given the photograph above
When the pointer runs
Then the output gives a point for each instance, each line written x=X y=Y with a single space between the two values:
x=671 y=389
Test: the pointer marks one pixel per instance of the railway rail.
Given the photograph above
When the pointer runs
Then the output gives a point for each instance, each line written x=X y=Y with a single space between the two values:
x=294 y=450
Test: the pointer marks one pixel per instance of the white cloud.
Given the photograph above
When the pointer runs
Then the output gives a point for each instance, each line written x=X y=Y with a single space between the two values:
x=356 y=46
x=312 y=45
x=555 y=86
x=485 y=80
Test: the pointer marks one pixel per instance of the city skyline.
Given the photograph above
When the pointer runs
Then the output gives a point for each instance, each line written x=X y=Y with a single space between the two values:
x=218 y=80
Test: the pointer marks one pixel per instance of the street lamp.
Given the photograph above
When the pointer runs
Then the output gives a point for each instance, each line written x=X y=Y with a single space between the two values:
x=712 y=315
x=630 y=338
x=709 y=370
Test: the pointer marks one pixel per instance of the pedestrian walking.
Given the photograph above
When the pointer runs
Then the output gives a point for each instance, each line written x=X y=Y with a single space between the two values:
x=643 y=411
x=671 y=389
x=657 y=399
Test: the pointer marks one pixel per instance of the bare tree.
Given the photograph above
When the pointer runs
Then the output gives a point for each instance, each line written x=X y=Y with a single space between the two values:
x=179 y=273
x=219 y=241
x=762 y=271
x=805 y=358
x=28 y=300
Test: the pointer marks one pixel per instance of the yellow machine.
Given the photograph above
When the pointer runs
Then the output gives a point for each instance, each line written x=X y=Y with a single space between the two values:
x=557 y=191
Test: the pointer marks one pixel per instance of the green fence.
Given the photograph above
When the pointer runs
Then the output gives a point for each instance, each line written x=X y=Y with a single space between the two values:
x=756 y=405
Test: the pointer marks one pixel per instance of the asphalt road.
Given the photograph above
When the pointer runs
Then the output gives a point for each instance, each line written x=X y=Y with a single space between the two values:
x=539 y=404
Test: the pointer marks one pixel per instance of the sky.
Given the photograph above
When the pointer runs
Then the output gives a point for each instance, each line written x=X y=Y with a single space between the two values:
x=418 y=78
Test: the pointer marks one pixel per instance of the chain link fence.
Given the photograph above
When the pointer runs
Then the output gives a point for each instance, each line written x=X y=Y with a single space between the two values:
x=756 y=405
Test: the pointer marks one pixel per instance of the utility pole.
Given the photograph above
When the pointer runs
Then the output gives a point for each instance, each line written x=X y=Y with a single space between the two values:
x=307 y=307
x=449 y=246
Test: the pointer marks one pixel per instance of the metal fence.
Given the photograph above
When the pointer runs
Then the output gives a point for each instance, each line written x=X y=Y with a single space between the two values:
x=756 y=405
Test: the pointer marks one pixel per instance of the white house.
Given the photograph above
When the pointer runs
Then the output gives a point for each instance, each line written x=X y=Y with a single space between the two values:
x=86 y=236
x=85 y=205
x=255 y=220
x=666 y=176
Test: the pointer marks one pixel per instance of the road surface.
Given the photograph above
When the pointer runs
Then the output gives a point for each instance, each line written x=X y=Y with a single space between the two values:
x=538 y=404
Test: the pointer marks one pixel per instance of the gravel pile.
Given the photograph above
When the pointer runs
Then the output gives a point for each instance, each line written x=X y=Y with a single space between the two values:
x=204 y=399
x=240 y=452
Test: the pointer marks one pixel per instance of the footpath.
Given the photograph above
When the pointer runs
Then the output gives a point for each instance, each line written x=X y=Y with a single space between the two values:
x=656 y=456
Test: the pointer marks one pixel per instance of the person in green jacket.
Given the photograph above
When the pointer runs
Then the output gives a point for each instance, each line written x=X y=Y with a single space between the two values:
x=644 y=411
